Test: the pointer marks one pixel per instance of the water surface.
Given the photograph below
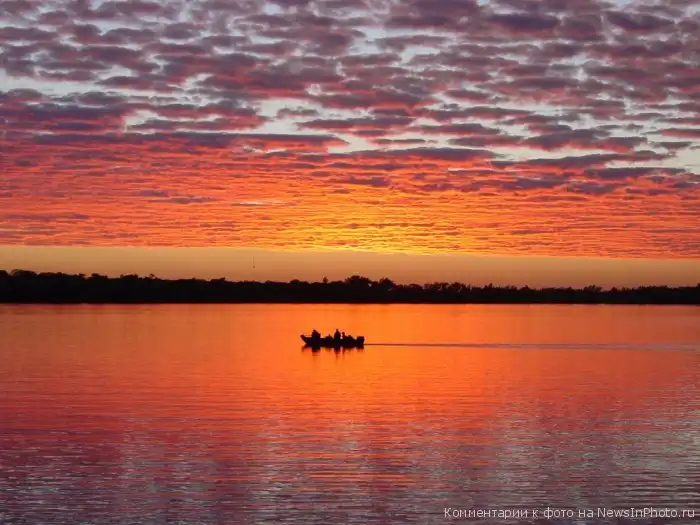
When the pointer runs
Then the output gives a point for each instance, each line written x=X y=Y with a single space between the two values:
x=214 y=414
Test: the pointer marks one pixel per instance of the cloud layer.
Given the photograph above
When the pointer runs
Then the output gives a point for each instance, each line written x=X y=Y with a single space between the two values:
x=515 y=126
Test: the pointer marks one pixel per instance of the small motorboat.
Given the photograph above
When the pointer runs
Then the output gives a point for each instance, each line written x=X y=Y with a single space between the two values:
x=330 y=342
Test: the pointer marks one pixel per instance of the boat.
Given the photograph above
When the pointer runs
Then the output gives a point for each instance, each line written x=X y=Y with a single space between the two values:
x=330 y=342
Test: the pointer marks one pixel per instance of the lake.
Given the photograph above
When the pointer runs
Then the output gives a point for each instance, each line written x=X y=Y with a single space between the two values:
x=214 y=414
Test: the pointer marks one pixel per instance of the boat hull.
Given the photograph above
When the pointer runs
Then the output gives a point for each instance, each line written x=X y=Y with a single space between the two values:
x=329 y=342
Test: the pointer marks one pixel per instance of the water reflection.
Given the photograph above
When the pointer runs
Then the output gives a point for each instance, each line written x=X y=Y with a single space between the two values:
x=207 y=415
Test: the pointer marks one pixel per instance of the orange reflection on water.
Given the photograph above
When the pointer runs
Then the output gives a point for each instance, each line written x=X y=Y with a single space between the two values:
x=208 y=412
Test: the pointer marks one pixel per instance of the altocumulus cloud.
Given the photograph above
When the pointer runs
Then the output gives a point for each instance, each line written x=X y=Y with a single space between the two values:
x=434 y=118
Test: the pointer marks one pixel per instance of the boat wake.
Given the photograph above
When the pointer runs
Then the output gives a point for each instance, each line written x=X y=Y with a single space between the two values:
x=679 y=347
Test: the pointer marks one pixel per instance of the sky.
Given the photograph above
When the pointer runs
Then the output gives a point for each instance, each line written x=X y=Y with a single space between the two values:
x=531 y=142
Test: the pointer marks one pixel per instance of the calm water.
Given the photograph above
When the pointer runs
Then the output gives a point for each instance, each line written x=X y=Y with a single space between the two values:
x=215 y=415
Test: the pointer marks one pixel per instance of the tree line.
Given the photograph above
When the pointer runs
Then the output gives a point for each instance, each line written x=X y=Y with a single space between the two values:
x=23 y=286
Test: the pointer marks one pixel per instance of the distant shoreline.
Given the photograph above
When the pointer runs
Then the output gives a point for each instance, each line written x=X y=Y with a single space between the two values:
x=27 y=287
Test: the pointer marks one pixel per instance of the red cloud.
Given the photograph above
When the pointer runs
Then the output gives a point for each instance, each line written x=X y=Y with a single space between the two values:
x=155 y=122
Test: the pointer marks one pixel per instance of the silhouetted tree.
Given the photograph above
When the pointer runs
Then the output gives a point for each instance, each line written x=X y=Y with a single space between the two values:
x=24 y=286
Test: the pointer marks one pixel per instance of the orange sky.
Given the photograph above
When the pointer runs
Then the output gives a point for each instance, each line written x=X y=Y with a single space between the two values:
x=238 y=264
x=451 y=127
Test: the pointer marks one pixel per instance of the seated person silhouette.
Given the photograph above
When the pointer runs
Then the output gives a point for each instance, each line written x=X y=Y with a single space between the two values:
x=336 y=335
x=315 y=334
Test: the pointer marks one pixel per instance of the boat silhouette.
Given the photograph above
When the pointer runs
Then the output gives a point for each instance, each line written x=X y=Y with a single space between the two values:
x=331 y=342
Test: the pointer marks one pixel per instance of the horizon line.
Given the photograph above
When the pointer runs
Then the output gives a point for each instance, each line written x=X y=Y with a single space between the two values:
x=325 y=281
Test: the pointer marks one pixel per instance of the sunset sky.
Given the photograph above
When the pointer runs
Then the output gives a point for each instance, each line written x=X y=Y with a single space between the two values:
x=512 y=141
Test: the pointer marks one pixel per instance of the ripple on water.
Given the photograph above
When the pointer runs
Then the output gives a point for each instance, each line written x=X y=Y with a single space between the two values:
x=99 y=428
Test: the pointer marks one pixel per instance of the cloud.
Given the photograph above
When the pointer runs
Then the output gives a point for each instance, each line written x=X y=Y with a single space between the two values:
x=187 y=199
x=525 y=22
x=638 y=22
x=140 y=117
x=372 y=125
x=689 y=133
x=583 y=139
x=375 y=182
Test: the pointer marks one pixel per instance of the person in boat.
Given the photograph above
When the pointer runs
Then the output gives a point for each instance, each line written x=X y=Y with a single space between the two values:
x=315 y=334
x=336 y=335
